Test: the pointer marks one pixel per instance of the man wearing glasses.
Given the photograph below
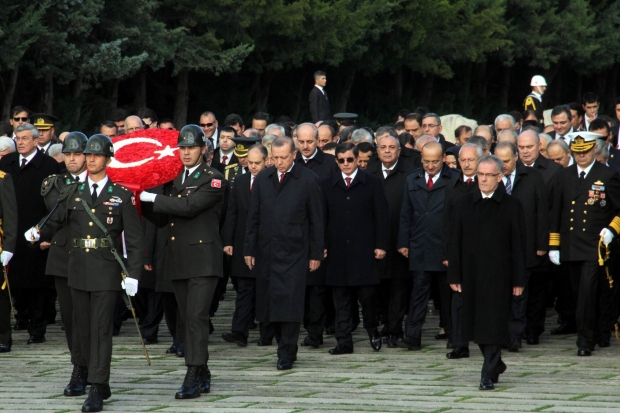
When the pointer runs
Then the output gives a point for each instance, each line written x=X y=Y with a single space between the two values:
x=431 y=125
x=486 y=256
x=133 y=123
x=209 y=126
x=19 y=115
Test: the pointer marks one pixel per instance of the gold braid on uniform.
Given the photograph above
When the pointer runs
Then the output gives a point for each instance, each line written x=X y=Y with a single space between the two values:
x=554 y=239
x=615 y=224
x=530 y=102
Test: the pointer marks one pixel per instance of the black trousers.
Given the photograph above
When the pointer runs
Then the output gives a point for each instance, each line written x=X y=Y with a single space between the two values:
x=518 y=312
x=33 y=303
x=266 y=331
x=5 y=315
x=287 y=335
x=585 y=277
x=93 y=319
x=244 y=305
x=537 y=302
x=173 y=318
x=457 y=321
x=151 y=311
x=492 y=361
x=605 y=310
x=65 y=301
x=566 y=303
x=315 y=310
x=422 y=282
x=395 y=296
x=194 y=296
x=343 y=299
x=50 y=304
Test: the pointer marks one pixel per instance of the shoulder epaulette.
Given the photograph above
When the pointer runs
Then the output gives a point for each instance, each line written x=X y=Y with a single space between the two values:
x=48 y=184
x=2 y=174
x=231 y=166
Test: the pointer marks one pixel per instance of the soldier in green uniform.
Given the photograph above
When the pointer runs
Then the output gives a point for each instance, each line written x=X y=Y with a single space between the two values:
x=8 y=222
x=95 y=268
x=59 y=249
x=242 y=144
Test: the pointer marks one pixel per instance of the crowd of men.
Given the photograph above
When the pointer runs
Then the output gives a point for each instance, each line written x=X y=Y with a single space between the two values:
x=310 y=222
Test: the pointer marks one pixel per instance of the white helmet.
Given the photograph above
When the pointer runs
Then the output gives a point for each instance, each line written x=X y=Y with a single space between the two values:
x=538 y=80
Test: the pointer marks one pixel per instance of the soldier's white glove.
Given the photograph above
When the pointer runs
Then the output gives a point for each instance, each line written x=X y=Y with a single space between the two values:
x=32 y=235
x=147 y=196
x=607 y=235
x=130 y=285
x=5 y=257
x=554 y=256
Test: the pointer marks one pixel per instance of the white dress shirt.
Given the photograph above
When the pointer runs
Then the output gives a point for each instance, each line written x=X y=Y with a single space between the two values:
x=384 y=169
x=28 y=158
x=191 y=171
x=586 y=170
x=100 y=185
x=289 y=170
x=352 y=176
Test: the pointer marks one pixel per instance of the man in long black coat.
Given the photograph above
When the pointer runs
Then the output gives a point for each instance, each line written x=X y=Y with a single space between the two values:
x=357 y=235
x=319 y=102
x=486 y=257
x=284 y=237
x=8 y=214
x=396 y=281
x=27 y=274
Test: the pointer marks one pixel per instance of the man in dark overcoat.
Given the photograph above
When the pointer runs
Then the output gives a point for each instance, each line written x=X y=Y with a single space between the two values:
x=419 y=240
x=486 y=254
x=284 y=237
x=396 y=282
x=28 y=167
x=357 y=235
x=319 y=102
x=8 y=214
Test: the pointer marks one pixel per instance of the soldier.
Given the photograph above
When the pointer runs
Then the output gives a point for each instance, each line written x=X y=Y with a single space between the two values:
x=45 y=124
x=97 y=211
x=242 y=145
x=533 y=101
x=8 y=219
x=192 y=203
x=59 y=249
x=586 y=206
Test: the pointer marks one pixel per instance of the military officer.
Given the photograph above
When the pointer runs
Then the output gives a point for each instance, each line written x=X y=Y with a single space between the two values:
x=242 y=144
x=45 y=124
x=192 y=204
x=8 y=221
x=586 y=207
x=59 y=248
x=97 y=212
x=534 y=100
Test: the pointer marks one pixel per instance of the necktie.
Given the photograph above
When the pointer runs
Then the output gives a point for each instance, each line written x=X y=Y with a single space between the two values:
x=468 y=182
x=582 y=177
x=224 y=160
x=282 y=176
x=508 y=185
x=430 y=182
x=348 y=182
x=185 y=176
x=251 y=183
x=388 y=172
x=94 y=194
x=306 y=160
x=77 y=178
x=23 y=163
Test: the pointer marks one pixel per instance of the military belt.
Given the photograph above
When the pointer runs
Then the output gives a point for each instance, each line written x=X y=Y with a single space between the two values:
x=90 y=243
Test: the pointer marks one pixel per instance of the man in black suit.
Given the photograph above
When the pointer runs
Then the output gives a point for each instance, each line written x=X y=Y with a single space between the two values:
x=209 y=125
x=319 y=103
x=431 y=125
x=562 y=117
x=8 y=214
x=602 y=128
x=28 y=167
x=526 y=185
x=224 y=154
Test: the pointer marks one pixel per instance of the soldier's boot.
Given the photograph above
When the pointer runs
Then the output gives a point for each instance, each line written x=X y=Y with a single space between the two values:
x=98 y=393
x=191 y=385
x=205 y=379
x=77 y=384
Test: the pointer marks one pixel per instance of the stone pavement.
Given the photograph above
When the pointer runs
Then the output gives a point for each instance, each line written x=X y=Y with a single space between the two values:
x=544 y=378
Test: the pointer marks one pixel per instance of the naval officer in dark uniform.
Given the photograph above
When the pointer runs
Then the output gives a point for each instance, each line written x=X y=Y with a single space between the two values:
x=8 y=216
x=192 y=203
x=94 y=268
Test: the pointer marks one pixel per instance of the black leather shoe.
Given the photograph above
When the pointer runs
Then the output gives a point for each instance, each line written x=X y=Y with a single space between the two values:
x=236 y=338
x=501 y=369
x=181 y=351
x=148 y=341
x=375 y=340
x=532 y=341
x=171 y=350
x=97 y=394
x=5 y=347
x=409 y=344
x=441 y=336
x=604 y=342
x=584 y=352
x=341 y=349
x=284 y=364
x=36 y=339
x=564 y=328
x=514 y=346
x=391 y=341
x=313 y=342
x=449 y=345
x=77 y=384
x=263 y=342
x=205 y=379
x=458 y=353
x=486 y=384
x=191 y=384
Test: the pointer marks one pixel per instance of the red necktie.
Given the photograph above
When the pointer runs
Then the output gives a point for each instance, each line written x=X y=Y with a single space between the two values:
x=468 y=181
x=282 y=176
x=430 y=182
x=348 y=182
x=224 y=159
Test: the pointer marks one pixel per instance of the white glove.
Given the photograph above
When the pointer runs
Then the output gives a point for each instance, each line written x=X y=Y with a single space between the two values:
x=130 y=285
x=607 y=236
x=32 y=235
x=147 y=196
x=554 y=256
x=5 y=257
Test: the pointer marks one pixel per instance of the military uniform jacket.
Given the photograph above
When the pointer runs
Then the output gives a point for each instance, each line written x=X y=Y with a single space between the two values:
x=533 y=102
x=96 y=269
x=193 y=208
x=233 y=233
x=581 y=212
x=8 y=212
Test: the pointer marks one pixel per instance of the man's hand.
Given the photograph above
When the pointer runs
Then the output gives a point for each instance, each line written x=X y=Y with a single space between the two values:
x=607 y=235
x=44 y=245
x=445 y=263
x=517 y=291
x=324 y=254
x=228 y=250
x=456 y=287
x=541 y=253
x=148 y=267
x=32 y=235
x=379 y=254
x=5 y=257
x=554 y=256
x=130 y=285
x=249 y=261
x=314 y=264
x=147 y=196
x=404 y=252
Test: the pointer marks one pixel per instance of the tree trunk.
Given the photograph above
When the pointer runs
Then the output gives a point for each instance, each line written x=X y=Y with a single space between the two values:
x=346 y=90
x=76 y=95
x=482 y=82
x=466 y=104
x=398 y=85
x=578 y=88
x=503 y=99
x=427 y=90
x=263 y=92
x=182 y=98
x=113 y=95
x=9 y=92
x=140 y=101
x=610 y=99
x=294 y=114
x=48 y=95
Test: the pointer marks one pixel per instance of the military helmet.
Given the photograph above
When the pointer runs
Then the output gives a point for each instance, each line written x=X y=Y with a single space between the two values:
x=74 y=142
x=191 y=135
x=538 y=80
x=99 y=145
